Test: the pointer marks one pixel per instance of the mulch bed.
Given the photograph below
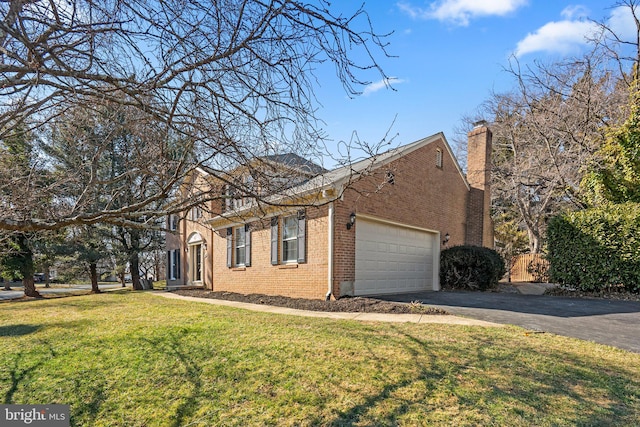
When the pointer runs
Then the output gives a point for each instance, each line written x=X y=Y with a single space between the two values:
x=351 y=304
x=611 y=293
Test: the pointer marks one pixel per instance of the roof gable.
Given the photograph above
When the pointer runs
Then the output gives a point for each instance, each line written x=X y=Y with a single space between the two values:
x=343 y=174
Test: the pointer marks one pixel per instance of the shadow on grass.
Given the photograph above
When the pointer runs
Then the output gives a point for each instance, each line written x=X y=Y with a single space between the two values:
x=87 y=408
x=18 y=330
x=495 y=383
x=22 y=368
x=429 y=373
x=170 y=345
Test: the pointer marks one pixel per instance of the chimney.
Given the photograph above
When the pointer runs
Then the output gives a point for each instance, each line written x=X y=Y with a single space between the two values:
x=479 y=224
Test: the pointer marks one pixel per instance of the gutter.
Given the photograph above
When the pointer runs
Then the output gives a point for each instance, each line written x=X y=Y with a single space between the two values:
x=330 y=253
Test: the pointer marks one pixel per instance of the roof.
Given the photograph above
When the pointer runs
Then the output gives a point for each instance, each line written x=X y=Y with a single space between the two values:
x=343 y=174
x=337 y=178
x=294 y=161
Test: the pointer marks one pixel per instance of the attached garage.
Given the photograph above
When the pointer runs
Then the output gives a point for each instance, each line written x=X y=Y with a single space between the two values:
x=394 y=258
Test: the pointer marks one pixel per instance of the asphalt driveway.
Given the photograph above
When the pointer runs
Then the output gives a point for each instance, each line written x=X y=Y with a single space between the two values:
x=610 y=322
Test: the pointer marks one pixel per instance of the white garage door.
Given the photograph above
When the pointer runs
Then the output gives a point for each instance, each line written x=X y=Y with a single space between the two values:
x=393 y=259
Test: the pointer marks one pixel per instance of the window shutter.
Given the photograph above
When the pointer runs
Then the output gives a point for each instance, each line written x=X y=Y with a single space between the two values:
x=177 y=251
x=302 y=228
x=274 y=240
x=229 y=247
x=169 y=266
x=247 y=245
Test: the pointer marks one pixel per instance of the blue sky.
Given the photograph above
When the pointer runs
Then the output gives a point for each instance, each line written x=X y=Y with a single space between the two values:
x=451 y=55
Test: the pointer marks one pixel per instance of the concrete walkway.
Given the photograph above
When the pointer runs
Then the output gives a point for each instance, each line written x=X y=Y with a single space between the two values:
x=370 y=317
x=609 y=322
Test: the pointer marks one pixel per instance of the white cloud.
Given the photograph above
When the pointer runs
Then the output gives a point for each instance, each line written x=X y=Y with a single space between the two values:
x=382 y=84
x=557 y=37
x=575 y=31
x=621 y=22
x=461 y=12
x=574 y=12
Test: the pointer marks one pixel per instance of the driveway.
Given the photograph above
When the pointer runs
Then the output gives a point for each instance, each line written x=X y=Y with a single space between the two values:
x=17 y=291
x=610 y=322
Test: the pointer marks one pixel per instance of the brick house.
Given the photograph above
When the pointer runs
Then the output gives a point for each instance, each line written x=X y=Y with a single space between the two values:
x=374 y=227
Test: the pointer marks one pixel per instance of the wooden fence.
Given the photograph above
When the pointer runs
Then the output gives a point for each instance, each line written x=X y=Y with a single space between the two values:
x=529 y=268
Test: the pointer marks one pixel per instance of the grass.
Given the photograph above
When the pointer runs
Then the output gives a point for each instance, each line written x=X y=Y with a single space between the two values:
x=135 y=359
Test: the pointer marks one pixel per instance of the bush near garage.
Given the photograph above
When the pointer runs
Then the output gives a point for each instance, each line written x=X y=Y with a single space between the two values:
x=471 y=268
x=596 y=249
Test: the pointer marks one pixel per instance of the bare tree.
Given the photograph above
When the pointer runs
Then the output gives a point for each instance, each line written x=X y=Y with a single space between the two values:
x=545 y=132
x=209 y=83
x=622 y=49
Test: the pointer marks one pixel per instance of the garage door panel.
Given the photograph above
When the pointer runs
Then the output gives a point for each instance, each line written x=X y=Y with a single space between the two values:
x=392 y=258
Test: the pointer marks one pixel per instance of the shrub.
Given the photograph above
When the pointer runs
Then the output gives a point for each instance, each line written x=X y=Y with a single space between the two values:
x=596 y=249
x=471 y=267
x=538 y=267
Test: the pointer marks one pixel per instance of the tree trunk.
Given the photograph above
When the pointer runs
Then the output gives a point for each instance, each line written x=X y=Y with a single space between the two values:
x=30 y=287
x=122 y=280
x=27 y=270
x=535 y=241
x=47 y=277
x=7 y=285
x=134 y=266
x=93 y=271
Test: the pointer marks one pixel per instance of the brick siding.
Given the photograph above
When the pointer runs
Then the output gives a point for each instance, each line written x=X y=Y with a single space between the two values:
x=422 y=195
x=479 y=225
x=304 y=280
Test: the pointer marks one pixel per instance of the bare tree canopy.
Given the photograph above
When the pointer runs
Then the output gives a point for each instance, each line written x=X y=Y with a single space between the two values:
x=623 y=49
x=213 y=83
x=545 y=132
x=549 y=127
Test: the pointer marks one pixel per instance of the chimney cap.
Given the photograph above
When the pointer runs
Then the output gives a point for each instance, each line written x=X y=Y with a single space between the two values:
x=479 y=123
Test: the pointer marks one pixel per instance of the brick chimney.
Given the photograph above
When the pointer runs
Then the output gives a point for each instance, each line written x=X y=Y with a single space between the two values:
x=479 y=223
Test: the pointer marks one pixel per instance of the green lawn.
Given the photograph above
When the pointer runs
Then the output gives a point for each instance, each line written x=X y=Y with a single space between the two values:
x=136 y=359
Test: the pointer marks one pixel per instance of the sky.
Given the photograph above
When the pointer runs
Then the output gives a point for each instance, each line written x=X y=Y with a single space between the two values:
x=450 y=55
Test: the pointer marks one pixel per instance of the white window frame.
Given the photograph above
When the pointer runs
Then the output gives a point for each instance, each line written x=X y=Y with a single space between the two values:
x=293 y=239
x=239 y=249
x=173 y=222
x=196 y=213
x=174 y=267
x=439 y=158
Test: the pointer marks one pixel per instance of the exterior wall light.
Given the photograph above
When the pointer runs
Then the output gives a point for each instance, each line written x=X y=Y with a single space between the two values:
x=446 y=239
x=352 y=220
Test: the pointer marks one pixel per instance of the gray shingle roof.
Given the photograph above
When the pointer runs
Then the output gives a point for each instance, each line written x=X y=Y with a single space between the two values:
x=295 y=161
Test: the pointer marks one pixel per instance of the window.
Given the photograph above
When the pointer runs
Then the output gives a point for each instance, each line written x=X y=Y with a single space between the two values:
x=237 y=194
x=196 y=213
x=239 y=246
x=173 y=222
x=173 y=258
x=292 y=239
x=439 y=158
x=228 y=197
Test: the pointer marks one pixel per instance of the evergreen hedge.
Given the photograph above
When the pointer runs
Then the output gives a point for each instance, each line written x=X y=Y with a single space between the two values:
x=471 y=267
x=596 y=249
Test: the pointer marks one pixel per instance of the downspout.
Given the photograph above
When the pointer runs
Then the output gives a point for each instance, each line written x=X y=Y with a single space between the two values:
x=330 y=254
